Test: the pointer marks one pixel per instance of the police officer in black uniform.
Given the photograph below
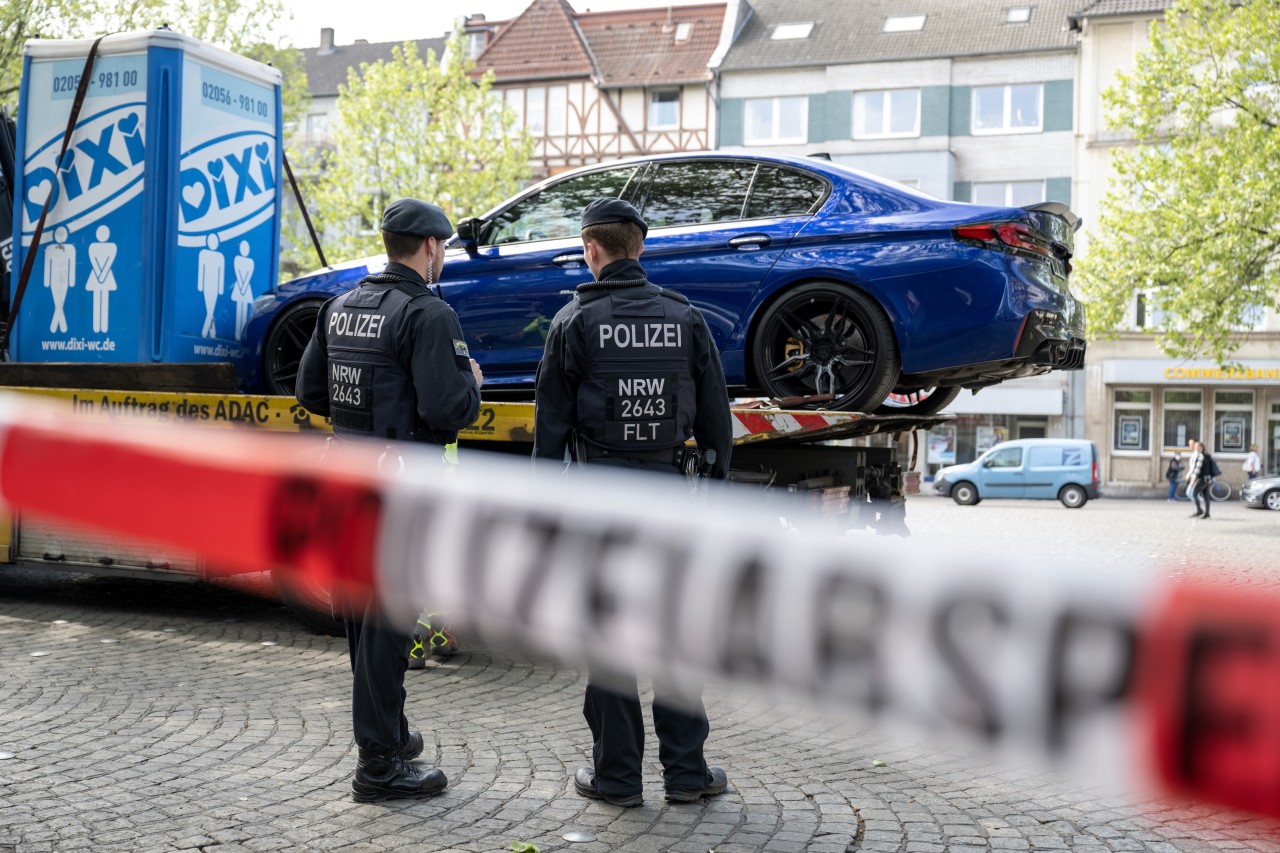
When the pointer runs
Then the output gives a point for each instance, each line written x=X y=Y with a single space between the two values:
x=388 y=361
x=629 y=373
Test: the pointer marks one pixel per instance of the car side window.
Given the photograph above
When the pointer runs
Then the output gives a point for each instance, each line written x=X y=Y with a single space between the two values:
x=556 y=212
x=1009 y=457
x=692 y=193
x=784 y=192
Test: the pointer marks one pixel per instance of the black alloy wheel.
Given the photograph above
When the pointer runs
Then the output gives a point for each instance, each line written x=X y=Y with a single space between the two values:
x=285 y=344
x=826 y=338
x=924 y=401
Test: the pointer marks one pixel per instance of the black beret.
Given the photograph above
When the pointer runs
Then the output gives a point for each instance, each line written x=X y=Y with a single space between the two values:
x=605 y=210
x=417 y=219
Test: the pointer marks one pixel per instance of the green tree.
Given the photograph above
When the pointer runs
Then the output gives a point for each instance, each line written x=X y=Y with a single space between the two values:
x=1193 y=217
x=409 y=127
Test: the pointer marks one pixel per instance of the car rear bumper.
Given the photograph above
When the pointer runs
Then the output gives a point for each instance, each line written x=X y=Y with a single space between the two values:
x=1048 y=339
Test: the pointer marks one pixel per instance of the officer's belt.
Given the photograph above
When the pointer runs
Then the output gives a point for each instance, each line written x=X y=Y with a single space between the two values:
x=668 y=455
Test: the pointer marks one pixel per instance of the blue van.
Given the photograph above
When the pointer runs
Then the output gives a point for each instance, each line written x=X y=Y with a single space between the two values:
x=1043 y=468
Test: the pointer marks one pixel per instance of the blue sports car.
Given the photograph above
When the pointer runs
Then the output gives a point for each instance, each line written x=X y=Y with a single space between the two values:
x=817 y=281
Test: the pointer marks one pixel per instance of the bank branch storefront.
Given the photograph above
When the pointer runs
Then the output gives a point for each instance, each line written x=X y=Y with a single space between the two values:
x=1141 y=410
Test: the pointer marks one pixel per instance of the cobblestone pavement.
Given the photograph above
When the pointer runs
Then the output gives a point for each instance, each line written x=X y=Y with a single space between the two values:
x=179 y=717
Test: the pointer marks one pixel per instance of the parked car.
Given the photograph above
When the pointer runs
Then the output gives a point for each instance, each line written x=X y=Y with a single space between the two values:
x=815 y=279
x=1263 y=493
x=1064 y=469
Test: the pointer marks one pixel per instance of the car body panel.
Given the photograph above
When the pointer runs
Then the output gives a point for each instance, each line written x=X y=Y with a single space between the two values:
x=951 y=305
x=1261 y=493
x=1045 y=466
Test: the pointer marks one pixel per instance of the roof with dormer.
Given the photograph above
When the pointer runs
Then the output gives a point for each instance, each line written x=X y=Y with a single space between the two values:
x=853 y=31
x=645 y=47
x=543 y=42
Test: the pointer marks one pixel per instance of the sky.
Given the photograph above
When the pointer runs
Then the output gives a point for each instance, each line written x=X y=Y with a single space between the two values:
x=393 y=20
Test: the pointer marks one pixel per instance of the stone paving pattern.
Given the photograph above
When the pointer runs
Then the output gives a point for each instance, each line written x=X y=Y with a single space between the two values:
x=183 y=717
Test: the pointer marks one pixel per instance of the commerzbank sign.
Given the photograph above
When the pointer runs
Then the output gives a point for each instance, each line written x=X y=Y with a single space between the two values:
x=1163 y=371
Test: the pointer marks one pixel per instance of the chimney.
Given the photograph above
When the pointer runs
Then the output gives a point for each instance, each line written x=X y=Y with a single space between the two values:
x=326 y=41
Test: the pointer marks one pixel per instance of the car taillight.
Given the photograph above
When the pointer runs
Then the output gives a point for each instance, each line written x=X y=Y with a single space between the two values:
x=997 y=235
x=1095 y=470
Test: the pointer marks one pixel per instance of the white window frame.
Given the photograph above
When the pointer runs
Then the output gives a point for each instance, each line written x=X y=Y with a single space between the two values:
x=1246 y=410
x=1145 y=408
x=1008 y=190
x=653 y=94
x=904 y=23
x=515 y=103
x=776 y=138
x=1018 y=15
x=859 y=114
x=1008 y=111
x=558 y=111
x=1166 y=407
x=535 y=110
x=788 y=32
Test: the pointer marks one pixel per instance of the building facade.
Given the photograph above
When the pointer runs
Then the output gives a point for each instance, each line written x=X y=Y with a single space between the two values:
x=1143 y=406
x=595 y=87
x=970 y=102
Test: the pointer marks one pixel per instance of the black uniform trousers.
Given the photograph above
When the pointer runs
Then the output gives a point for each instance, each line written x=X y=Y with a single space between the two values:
x=617 y=724
x=379 y=658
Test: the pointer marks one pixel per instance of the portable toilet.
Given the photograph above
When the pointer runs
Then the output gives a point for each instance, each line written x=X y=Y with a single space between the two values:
x=164 y=224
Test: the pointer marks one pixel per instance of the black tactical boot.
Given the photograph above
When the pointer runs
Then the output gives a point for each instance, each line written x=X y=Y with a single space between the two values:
x=382 y=777
x=412 y=748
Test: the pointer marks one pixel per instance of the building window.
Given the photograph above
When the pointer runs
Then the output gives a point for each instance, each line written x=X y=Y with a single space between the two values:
x=1232 y=421
x=664 y=109
x=1148 y=312
x=784 y=32
x=1131 y=421
x=318 y=125
x=683 y=31
x=535 y=117
x=904 y=23
x=1018 y=15
x=777 y=120
x=1008 y=193
x=1182 y=418
x=879 y=115
x=475 y=44
x=1007 y=109
x=515 y=100
x=557 y=111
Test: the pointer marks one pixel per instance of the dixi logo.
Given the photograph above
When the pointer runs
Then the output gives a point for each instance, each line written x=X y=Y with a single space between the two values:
x=103 y=164
x=225 y=181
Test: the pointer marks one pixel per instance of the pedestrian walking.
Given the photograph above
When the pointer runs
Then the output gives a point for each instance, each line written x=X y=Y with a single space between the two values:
x=1252 y=463
x=388 y=361
x=629 y=373
x=1173 y=474
x=1200 y=474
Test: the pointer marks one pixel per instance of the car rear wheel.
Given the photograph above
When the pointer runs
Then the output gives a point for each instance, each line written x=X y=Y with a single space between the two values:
x=1073 y=497
x=926 y=401
x=825 y=338
x=285 y=344
x=965 y=494
x=1271 y=500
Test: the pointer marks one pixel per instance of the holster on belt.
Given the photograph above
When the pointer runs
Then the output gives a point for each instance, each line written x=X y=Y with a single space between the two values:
x=692 y=461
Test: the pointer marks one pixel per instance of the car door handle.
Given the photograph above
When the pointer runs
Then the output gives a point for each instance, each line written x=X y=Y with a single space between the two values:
x=757 y=241
x=565 y=260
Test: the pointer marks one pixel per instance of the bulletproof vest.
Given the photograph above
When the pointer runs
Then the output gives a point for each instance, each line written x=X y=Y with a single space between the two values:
x=370 y=394
x=638 y=393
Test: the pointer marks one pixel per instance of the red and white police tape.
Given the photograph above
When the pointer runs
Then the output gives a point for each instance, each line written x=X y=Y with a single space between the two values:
x=1129 y=676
